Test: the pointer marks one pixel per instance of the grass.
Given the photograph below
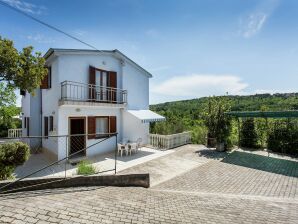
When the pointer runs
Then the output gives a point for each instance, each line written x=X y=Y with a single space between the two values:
x=85 y=168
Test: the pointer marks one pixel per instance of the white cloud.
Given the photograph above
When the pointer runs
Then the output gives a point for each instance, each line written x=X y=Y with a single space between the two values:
x=40 y=38
x=253 y=23
x=198 y=85
x=26 y=6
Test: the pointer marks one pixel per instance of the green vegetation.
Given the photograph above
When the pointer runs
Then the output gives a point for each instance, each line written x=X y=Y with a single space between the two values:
x=190 y=115
x=8 y=110
x=11 y=156
x=283 y=137
x=24 y=70
x=86 y=168
x=248 y=134
x=217 y=122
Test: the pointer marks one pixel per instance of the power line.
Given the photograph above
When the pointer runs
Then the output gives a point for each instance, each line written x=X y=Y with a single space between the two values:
x=47 y=25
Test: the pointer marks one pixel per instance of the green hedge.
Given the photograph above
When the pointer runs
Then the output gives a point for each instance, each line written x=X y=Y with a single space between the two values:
x=11 y=156
x=283 y=137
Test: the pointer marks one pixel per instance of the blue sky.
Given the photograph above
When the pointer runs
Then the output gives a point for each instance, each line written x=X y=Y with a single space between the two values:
x=193 y=48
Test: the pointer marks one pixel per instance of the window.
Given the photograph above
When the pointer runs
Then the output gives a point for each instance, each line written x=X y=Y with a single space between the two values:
x=101 y=125
x=46 y=127
x=25 y=122
x=49 y=77
x=51 y=123
x=28 y=125
x=46 y=83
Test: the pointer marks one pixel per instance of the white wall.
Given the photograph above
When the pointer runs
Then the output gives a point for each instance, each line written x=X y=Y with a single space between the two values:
x=76 y=67
x=133 y=128
x=137 y=85
x=50 y=99
x=71 y=111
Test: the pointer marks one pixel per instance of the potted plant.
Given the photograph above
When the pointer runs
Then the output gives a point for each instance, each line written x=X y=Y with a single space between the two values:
x=217 y=122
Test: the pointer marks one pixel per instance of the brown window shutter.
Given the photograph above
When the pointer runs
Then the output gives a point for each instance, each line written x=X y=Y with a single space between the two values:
x=113 y=124
x=91 y=127
x=112 y=82
x=44 y=82
x=91 y=82
x=46 y=127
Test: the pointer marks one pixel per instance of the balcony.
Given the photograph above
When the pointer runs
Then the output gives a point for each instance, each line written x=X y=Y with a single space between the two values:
x=75 y=93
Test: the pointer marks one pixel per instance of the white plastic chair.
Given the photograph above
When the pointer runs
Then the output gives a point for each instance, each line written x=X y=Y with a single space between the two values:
x=121 y=148
x=133 y=147
x=139 y=142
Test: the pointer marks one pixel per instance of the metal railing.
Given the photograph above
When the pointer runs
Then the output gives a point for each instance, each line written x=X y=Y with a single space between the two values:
x=14 y=133
x=60 y=165
x=169 y=141
x=76 y=91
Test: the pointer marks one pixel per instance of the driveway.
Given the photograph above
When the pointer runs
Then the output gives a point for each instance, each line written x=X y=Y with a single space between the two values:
x=241 y=188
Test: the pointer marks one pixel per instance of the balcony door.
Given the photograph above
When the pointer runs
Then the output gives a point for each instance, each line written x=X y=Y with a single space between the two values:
x=101 y=82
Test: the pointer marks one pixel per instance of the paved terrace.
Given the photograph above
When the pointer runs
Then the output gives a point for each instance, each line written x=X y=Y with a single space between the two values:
x=244 y=187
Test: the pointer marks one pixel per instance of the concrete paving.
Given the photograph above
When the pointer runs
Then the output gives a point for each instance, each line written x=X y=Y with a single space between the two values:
x=183 y=159
x=212 y=187
x=101 y=162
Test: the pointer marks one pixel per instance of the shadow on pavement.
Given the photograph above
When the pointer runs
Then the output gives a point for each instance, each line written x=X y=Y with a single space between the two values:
x=264 y=163
x=211 y=154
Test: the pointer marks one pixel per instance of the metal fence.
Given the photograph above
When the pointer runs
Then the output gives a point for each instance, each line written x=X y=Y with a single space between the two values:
x=58 y=156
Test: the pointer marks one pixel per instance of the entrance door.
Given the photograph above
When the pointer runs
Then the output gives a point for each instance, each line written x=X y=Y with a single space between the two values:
x=77 y=142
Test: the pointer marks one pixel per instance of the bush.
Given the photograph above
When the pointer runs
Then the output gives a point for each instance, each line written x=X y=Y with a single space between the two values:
x=11 y=156
x=248 y=134
x=283 y=137
x=198 y=135
x=85 y=168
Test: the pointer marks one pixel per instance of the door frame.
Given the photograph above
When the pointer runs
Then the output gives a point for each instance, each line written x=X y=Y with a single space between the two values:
x=69 y=132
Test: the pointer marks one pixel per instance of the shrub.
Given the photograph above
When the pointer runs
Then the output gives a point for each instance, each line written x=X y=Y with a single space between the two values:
x=11 y=156
x=85 y=168
x=248 y=134
x=283 y=138
x=198 y=135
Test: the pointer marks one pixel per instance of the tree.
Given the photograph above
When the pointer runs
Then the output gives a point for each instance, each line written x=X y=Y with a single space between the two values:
x=23 y=70
x=8 y=109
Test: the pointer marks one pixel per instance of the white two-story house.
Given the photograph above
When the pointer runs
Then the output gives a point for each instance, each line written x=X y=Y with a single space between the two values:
x=88 y=92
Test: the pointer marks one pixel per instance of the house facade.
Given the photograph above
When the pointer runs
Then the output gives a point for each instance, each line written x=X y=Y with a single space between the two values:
x=90 y=92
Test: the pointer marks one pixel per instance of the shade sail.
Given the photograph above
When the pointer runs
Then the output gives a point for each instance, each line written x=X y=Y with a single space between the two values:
x=146 y=116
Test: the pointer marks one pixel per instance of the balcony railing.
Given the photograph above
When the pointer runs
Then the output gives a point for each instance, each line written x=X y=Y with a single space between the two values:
x=75 y=91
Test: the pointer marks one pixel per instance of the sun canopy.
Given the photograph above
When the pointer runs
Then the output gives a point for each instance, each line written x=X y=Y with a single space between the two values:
x=146 y=116
x=265 y=114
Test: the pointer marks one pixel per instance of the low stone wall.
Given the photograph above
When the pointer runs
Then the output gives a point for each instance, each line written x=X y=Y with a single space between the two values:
x=130 y=180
